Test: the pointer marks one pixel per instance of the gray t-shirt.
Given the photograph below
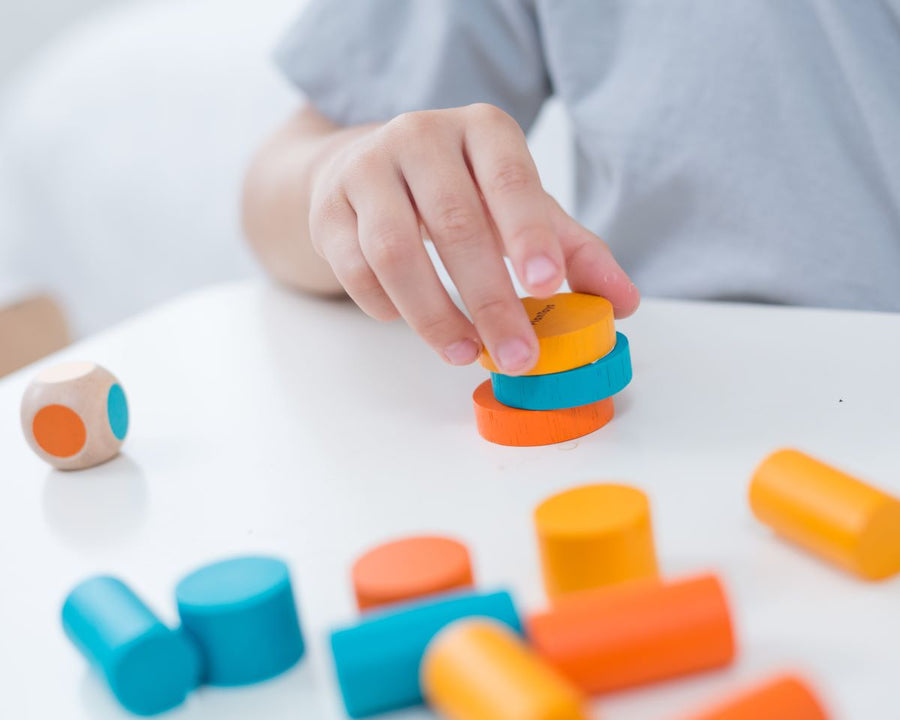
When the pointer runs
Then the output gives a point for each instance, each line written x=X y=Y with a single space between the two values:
x=747 y=149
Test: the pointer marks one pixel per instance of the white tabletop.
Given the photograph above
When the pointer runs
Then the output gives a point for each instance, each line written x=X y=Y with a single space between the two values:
x=266 y=422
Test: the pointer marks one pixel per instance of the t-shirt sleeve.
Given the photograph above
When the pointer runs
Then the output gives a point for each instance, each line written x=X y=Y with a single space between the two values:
x=364 y=61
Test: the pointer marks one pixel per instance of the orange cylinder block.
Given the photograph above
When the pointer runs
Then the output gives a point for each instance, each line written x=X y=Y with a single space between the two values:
x=409 y=568
x=828 y=512
x=636 y=633
x=480 y=670
x=593 y=536
x=573 y=329
x=781 y=698
x=506 y=425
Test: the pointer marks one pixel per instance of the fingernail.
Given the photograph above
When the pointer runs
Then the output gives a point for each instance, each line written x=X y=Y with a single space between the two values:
x=513 y=354
x=539 y=270
x=462 y=352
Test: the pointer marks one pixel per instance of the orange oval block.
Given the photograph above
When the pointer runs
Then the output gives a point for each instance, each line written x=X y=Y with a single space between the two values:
x=573 y=329
x=511 y=426
x=782 y=698
x=593 y=536
x=481 y=670
x=636 y=633
x=410 y=568
x=836 y=516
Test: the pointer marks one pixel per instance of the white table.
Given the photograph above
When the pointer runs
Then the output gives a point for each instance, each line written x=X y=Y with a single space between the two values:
x=266 y=422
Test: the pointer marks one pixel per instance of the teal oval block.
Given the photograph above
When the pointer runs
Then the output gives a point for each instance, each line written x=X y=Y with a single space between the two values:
x=149 y=667
x=242 y=616
x=377 y=660
x=587 y=384
x=117 y=411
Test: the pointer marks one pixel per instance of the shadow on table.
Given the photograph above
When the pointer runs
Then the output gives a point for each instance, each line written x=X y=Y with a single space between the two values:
x=91 y=508
x=623 y=402
x=296 y=694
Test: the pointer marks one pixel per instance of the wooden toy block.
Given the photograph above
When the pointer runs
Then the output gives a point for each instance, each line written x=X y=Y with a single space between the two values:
x=587 y=384
x=377 y=660
x=636 y=633
x=781 y=698
x=828 y=512
x=75 y=415
x=409 y=568
x=480 y=670
x=242 y=615
x=506 y=425
x=594 y=535
x=573 y=329
x=149 y=667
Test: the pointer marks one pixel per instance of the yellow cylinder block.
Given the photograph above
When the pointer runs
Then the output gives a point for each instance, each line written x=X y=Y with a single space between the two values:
x=478 y=669
x=573 y=329
x=836 y=516
x=595 y=535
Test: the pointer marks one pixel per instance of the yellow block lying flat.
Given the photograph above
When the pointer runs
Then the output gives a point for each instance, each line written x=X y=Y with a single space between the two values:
x=480 y=670
x=834 y=515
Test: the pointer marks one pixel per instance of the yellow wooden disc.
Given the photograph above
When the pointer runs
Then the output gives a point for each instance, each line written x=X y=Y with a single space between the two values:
x=573 y=329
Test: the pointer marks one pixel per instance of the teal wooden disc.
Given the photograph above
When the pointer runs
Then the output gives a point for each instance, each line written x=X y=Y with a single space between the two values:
x=587 y=384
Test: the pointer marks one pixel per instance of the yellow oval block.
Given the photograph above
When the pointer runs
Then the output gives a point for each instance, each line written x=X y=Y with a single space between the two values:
x=824 y=510
x=480 y=670
x=573 y=329
x=595 y=535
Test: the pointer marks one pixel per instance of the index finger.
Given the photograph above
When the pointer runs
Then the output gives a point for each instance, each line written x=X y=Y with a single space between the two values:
x=508 y=180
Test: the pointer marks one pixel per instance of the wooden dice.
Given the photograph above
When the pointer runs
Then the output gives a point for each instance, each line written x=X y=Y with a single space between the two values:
x=75 y=415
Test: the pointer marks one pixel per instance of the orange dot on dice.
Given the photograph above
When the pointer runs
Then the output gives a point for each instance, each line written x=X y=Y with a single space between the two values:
x=410 y=568
x=59 y=430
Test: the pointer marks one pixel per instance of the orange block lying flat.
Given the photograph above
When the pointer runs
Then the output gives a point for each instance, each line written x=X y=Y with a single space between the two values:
x=636 y=633
x=594 y=535
x=410 y=568
x=828 y=512
x=511 y=426
x=480 y=670
x=782 y=698
x=573 y=329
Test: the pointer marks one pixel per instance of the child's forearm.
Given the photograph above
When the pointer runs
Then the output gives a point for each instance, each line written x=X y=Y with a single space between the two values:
x=276 y=200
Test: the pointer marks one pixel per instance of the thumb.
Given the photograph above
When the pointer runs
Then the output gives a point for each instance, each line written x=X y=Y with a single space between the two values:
x=591 y=267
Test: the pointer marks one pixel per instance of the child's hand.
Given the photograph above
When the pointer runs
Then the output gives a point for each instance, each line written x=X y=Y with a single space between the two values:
x=466 y=179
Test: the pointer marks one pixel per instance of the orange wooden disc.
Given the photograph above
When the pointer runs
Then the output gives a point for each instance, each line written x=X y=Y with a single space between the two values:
x=59 y=430
x=410 y=568
x=512 y=426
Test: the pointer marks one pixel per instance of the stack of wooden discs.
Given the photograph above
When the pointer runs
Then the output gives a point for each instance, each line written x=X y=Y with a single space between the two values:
x=583 y=362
